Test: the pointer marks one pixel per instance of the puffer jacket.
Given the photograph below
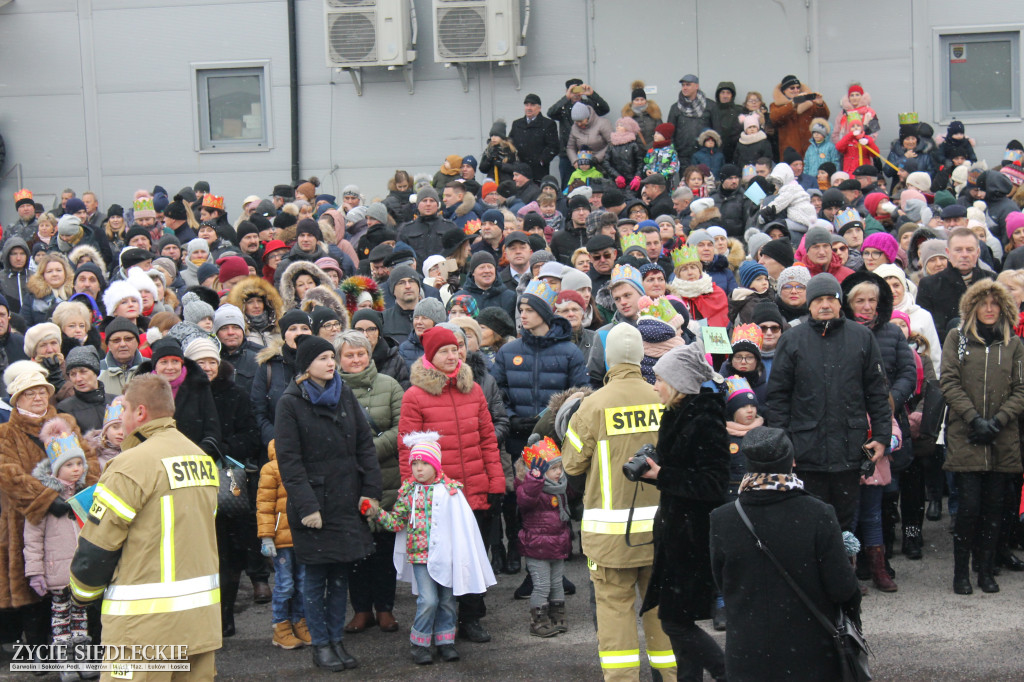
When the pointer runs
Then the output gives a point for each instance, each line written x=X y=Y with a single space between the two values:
x=997 y=190
x=985 y=381
x=495 y=400
x=380 y=396
x=543 y=534
x=497 y=295
x=625 y=160
x=87 y=408
x=50 y=544
x=532 y=369
x=272 y=503
x=456 y=409
x=14 y=283
x=597 y=137
x=424 y=234
x=725 y=119
x=276 y=370
x=736 y=210
x=411 y=349
x=41 y=302
x=561 y=113
x=195 y=413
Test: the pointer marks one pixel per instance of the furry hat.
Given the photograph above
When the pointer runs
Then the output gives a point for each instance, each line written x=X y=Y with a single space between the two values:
x=118 y=291
x=138 y=278
x=38 y=333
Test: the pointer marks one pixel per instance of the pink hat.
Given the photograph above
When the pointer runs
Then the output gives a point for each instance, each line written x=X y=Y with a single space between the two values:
x=1014 y=222
x=423 y=446
x=884 y=242
x=908 y=194
x=750 y=120
x=899 y=314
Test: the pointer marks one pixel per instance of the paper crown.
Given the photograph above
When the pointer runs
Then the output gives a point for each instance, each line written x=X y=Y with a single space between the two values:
x=543 y=450
x=847 y=215
x=736 y=385
x=1014 y=156
x=471 y=227
x=23 y=195
x=114 y=412
x=144 y=204
x=585 y=155
x=684 y=255
x=660 y=310
x=854 y=117
x=626 y=272
x=543 y=291
x=908 y=118
x=633 y=239
x=63 y=447
x=213 y=201
x=750 y=333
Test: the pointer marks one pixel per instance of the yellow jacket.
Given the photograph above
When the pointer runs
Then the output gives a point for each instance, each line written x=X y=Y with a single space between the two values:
x=149 y=546
x=607 y=430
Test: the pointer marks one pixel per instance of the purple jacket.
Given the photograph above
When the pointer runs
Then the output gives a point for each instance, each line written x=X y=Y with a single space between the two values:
x=543 y=535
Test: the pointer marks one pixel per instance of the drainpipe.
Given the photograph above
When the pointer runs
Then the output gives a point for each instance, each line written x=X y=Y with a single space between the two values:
x=293 y=89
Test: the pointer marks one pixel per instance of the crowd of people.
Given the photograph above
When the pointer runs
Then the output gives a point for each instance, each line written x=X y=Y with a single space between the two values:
x=440 y=381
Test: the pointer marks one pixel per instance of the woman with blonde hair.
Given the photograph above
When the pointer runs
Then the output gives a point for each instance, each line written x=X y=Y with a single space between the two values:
x=51 y=283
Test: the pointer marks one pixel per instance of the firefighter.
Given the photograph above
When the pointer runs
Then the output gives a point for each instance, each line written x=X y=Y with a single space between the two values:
x=152 y=524
x=607 y=430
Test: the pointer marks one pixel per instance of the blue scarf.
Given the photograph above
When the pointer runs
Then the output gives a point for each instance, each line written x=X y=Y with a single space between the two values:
x=329 y=395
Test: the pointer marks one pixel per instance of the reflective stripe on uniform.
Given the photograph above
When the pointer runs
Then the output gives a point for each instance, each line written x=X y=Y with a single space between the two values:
x=627 y=658
x=613 y=521
x=83 y=593
x=141 y=607
x=574 y=439
x=661 y=659
x=120 y=507
x=606 y=474
x=167 y=538
x=179 y=588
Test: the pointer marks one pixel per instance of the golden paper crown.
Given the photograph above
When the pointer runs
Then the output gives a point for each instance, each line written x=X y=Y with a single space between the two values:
x=471 y=227
x=144 y=204
x=213 y=201
x=23 y=195
x=633 y=239
x=544 y=450
x=661 y=310
x=748 y=332
x=684 y=255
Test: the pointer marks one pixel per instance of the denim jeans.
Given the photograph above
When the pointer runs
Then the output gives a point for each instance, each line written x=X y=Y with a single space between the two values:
x=288 y=577
x=324 y=592
x=869 y=517
x=435 y=610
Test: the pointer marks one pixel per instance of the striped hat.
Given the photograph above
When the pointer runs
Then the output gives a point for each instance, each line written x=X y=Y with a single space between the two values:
x=423 y=446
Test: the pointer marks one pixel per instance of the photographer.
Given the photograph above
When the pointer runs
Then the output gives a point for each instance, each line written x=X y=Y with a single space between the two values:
x=691 y=470
x=611 y=425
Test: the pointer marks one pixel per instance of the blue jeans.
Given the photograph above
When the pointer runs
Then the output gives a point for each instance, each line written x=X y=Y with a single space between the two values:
x=869 y=521
x=324 y=591
x=288 y=577
x=435 y=610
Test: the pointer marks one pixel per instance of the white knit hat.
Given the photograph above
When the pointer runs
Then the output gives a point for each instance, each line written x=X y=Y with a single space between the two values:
x=118 y=291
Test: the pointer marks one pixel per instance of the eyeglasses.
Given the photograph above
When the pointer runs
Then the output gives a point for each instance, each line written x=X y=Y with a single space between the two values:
x=603 y=256
x=839 y=247
x=770 y=328
x=793 y=287
x=331 y=326
x=367 y=330
x=36 y=393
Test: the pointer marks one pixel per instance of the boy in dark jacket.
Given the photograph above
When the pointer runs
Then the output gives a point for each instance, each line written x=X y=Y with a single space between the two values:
x=741 y=418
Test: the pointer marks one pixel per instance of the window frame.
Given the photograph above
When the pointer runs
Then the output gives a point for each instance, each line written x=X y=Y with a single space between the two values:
x=943 y=37
x=200 y=72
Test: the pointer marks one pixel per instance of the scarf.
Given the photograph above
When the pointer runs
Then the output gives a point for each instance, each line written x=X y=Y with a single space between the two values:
x=868 y=322
x=288 y=355
x=739 y=430
x=790 y=312
x=328 y=395
x=30 y=415
x=656 y=144
x=558 y=489
x=176 y=383
x=753 y=139
x=259 y=322
x=770 y=482
x=693 y=108
x=625 y=137
x=638 y=109
x=684 y=289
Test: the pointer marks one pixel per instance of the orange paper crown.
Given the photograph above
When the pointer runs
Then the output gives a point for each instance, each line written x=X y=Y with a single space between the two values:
x=213 y=201
x=546 y=450
x=22 y=195
x=748 y=332
x=471 y=227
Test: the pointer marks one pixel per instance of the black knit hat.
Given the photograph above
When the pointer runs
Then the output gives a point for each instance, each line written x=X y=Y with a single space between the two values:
x=120 y=324
x=497 y=320
x=294 y=316
x=833 y=198
x=767 y=311
x=166 y=347
x=780 y=251
x=176 y=209
x=768 y=451
x=309 y=226
x=246 y=227
x=321 y=315
x=307 y=349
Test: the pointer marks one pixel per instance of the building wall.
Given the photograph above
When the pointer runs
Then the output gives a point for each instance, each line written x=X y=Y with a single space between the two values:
x=97 y=94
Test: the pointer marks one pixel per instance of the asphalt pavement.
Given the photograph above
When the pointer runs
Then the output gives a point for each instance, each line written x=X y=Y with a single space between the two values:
x=922 y=632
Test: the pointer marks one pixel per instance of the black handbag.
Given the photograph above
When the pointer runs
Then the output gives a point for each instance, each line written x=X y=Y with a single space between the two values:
x=233 y=493
x=849 y=642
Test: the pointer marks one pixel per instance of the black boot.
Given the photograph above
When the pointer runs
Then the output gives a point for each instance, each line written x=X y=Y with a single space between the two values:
x=862 y=568
x=986 y=579
x=513 y=563
x=961 y=570
x=1008 y=560
x=347 y=659
x=498 y=559
x=912 y=542
x=228 y=593
x=473 y=631
x=934 y=512
x=525 y=589
x=325 y=657
x=568 y=586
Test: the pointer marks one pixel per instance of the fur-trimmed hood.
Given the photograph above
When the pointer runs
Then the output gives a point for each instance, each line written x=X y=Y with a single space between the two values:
x=467 y=205
x=433 y=381
x=653 y=110
x=702 y=138
x=779 y=99
x=977 y=293
x=104 y=451
x=883 y=311
x=40 y=289
x=705 y=218
x=272 y=351
x=257 y=286
x=324 y=296
x=86 y=250
x=287 y=281
x=736 y=253
x=43 y=473
x=823 y=122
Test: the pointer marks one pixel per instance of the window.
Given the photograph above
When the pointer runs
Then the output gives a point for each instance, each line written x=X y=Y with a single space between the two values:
x=232 y=106
x=980 y=75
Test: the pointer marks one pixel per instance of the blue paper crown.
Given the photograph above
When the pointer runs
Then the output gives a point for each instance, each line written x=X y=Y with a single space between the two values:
x=541 y=290
x=627 y=273
x=847 y=215
x=64 y=446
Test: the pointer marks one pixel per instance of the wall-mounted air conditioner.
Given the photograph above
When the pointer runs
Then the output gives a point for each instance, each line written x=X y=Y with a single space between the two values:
x=362 y=33
x=477 y=31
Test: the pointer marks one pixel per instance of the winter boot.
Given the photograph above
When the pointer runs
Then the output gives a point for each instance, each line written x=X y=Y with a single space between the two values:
x=324 y=657
x=879 y=576
x=540 y=624
x=347 y=660
x=85 y=674
x=284 y=637
x=525 y=588
x=862 y=568
x=513 y=563
x=556 y=614
x=934 y=512
x=421 y=655
x=961 y=568
x=448 y=653
x=718 y=613
x=301 y=632
x=986 y=579
x=228 y=593
x=498 y=559
x=360 y=622
x=912 y=542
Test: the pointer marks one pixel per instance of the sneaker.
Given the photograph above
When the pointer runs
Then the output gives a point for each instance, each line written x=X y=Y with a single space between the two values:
x=421 y=655
x=447 y=652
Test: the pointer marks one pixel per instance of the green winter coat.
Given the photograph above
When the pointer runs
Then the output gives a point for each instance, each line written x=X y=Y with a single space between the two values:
x=381 y=398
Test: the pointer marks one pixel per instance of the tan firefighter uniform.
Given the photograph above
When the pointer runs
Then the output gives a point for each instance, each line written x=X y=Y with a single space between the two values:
x=607 y=430
x=149 y=548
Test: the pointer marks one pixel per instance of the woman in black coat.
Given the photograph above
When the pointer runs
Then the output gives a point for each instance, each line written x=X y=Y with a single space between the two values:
x=276 y=370
x=328 y=466
x=691 y=473
x=195 y=414
x=385 y=351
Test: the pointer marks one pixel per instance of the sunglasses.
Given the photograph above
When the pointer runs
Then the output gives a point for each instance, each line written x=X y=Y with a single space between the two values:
x=839 y=247
x=770 y=328
x=602 y=256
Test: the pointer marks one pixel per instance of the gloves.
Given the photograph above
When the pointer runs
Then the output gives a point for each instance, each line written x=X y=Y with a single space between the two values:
x=522 y=424
x=494 y=500
x=634 y=184
x=53 y=374
x=38 y=584
x=268 y=548
x=61 y=508
x=620 y=182
x=539 y=466
x=983 y=431
x=314 y=520
x=768 y=213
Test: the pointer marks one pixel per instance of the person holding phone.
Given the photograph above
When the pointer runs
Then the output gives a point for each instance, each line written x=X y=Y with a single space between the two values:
x=793 y=108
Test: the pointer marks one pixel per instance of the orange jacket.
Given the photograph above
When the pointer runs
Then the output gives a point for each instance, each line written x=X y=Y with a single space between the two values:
x=271 y=500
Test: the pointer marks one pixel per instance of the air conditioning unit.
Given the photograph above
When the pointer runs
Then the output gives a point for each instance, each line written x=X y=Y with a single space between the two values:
x=367 y=33
x=477 y=31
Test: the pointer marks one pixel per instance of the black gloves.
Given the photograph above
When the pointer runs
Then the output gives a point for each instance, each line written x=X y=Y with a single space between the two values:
x=983 y=431
x=768 y=213
x=494 y=500
x=61 y=508
x=521 y=425
x=53 y=374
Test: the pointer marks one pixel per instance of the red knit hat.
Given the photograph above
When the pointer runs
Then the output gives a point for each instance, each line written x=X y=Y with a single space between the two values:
x=667 y=130
x=574 y=296
x=231 y=267
x=434 y=339
x=855 y=88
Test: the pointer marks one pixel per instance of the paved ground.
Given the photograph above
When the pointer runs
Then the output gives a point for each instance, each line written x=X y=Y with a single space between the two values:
x=923 y=632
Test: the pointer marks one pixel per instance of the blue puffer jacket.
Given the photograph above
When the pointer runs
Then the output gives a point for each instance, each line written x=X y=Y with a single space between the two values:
x=532 y=369
x=411 y=349
x=721 y=274
x=498 y=295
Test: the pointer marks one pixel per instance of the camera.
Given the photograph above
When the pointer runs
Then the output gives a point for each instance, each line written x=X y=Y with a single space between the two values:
x=867 y=467
x=637 y=465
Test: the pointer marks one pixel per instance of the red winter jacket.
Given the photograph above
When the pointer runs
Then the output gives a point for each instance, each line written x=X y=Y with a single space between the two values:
x=853 y=156
x=457 y=410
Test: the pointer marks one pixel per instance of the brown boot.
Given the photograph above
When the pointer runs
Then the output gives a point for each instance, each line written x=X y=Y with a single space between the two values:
x=540 y=624
x=301 y=631
x=556 y=613
x=285 y=638
x=360 y=621
x=879 y=576
x=386 y=621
